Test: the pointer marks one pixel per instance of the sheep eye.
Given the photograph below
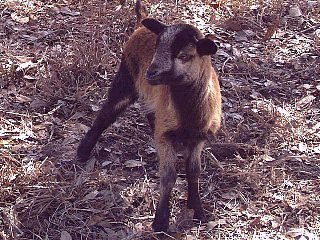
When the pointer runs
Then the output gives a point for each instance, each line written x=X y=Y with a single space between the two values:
x=185 y=57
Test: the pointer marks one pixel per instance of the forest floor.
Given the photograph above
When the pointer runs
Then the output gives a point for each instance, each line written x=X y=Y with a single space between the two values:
x=57 y=59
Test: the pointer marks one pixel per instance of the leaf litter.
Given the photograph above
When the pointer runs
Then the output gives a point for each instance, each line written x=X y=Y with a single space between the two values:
x=57 y=59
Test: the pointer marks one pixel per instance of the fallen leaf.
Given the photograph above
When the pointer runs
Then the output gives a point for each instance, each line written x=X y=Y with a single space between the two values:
x=241 y=37
x=139 y=227
x=272 y=28
x=95 y=108
x=236 y=52
x=312 y=4
x=295 y=11
x=229 y=195
x=54 y=10
x=65 y=236
x=297 y=233
x=134 y=163
x=91 y=195
x=302 y=147
x=20 y=19
x=25 y=65
x=306 y=100
x=212 y=224
x=77 y=115
x=67 y=11
x=151 y=150
x=221 y=52
x=118 y=8
x=37 y=104
x=30 y=78
x=232 y=24
x=283 y=112
x=82 y=128
x=249 y=32
x=267 y=158
x=317 y=149
x=23 y=99
x=90 y=164
x=95 y=219
x=106 y=163
x=23 y=59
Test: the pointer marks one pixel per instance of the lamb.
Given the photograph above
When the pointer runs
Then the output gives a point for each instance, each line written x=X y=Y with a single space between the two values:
x=169 y=68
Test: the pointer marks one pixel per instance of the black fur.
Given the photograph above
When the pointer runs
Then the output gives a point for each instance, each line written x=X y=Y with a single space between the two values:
x=183 y=38
x=188 y=100
x=122 y=87
x=206 y=47
x=153 y=25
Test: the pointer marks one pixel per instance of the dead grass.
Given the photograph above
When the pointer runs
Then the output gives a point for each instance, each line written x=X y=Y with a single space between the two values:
x=54 y=73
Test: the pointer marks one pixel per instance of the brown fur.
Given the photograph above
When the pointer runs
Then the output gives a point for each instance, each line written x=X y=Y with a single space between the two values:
x=158 y=97
x=183 y=113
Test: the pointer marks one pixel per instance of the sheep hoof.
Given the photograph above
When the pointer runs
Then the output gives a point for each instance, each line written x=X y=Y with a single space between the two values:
x=199 y=215
x=82 y=155
x=161 y=221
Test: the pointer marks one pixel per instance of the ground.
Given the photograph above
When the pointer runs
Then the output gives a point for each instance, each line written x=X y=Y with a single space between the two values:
x=57 y=61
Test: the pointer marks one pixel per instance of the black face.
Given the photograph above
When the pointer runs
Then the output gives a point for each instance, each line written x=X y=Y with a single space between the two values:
x=178 y=53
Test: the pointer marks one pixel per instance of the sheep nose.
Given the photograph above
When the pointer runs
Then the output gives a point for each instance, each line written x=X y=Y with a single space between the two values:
x=152 y=72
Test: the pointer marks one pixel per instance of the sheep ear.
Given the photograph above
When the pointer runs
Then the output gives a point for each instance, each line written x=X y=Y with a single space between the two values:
x=206 y=46
x=153 y=25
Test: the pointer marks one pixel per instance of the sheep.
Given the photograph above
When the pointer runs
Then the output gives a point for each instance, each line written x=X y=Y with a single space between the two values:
x=169 y=68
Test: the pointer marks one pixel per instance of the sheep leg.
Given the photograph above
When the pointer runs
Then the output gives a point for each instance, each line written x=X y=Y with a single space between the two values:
x=168 y=175
x=151 y=120
x=121 y=94
x=193 y=172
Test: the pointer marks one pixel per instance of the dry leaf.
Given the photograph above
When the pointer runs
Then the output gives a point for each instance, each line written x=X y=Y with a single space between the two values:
x=221 y=52
x=212 y=224
x=67 y=11
x=229 y=195
x=90 y=164
x=95 y=108
x=236 y=52
x=267 y=158
x=65 y=236
x=37 y=104
x=272 y=29
x=106 y=163
x=232 y=24
x=20 y=19
x=213 y=18
x=299 y=233
x=317 y=149
x=91 y=195
x=25 y=65
x=302 y=147
x=283 y=112
x=134 y=163
x=23 y=59
x=241 y=37
x=77 y=115
x=82 y=128
x=96 y=219
x=151 y=150
x=295 y=11
x=306 y=100
x=23 y=99
x=29 y=78
x=118 y=8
